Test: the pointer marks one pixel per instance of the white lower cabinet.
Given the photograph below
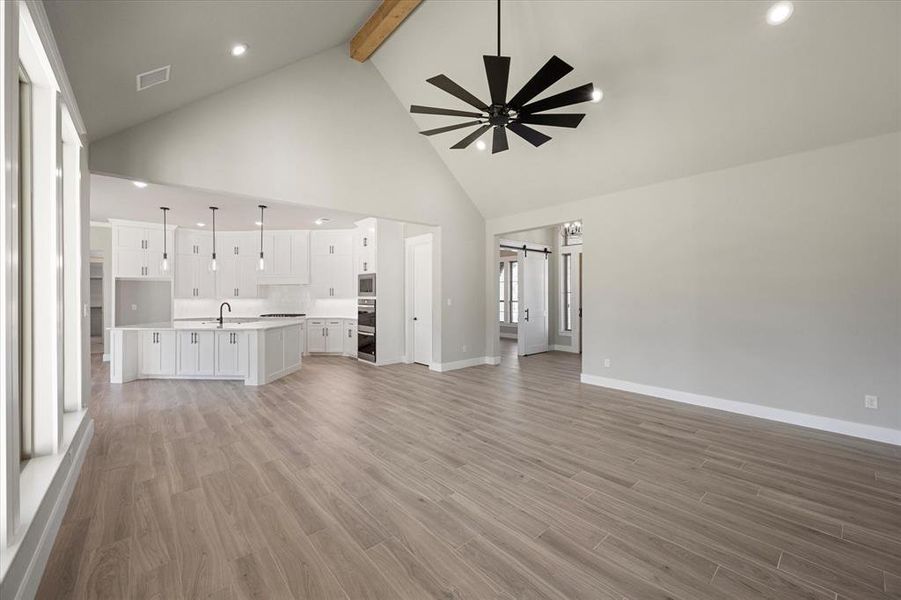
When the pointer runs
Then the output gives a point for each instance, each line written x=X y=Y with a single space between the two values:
x=231 y=353
x=325 y=336
x=196 y=352
x=158 y=352
x=316 y=335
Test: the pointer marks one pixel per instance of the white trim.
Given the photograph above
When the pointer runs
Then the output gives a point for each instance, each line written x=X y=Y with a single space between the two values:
x=45 y=33
x=465 y=363
x=564 y=348
x=860 y=430
x=20 y=579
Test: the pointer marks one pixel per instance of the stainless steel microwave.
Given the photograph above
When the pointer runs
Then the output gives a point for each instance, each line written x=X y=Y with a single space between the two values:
x=366 y=285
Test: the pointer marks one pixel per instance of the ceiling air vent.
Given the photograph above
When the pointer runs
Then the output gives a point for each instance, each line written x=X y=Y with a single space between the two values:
x=152 y=78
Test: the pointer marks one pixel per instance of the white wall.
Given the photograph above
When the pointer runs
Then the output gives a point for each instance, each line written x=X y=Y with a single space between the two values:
x=326 y=131
x=775 y=283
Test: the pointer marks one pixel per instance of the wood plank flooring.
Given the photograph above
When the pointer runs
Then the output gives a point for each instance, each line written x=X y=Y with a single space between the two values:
x=345 y=481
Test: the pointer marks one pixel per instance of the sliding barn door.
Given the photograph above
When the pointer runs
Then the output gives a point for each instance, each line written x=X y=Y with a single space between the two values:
x=533 y=301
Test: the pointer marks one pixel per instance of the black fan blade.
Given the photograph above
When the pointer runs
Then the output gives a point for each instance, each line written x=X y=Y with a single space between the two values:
x=470 y=138
x=444 y=82
x=430 y=110
x=552 y=72
x=567 y=120
x=500 y=140
x=449 y=128
x=497 y=68
x=573 y=96
x=534 y=137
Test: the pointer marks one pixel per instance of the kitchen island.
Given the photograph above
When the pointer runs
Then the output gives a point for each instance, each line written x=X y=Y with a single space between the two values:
x=254 y=351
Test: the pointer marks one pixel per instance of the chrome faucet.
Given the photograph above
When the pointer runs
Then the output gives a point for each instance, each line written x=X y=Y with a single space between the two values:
x=221 y=306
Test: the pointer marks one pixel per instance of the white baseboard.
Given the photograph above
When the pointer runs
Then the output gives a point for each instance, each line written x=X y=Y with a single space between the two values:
x=564 y=348
x=860 y=430
x=28 y=586
x=462 y=364
x=106 y=358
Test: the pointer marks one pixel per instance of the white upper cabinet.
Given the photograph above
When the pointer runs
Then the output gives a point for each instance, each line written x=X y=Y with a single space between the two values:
x=335 y=242
x=138 y=250
x=287 y=257
x=230 y=243
x=365 y=246
x=236 y=277
x=193 y=278
x=195 y=243
x=331 y=264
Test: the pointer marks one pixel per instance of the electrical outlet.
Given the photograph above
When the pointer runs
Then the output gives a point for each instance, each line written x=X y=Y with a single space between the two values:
x=464 y=347
x=871 y=402
x=134 y=307
x=606 y=363
x=449 y=302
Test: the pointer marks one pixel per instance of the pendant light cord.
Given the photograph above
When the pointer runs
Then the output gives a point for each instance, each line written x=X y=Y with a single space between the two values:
x=165 y=210
x=262 y=208
x=214 y=209
x=498 y=27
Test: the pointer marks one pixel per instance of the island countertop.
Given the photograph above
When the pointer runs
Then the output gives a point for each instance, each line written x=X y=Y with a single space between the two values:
x=248 y=325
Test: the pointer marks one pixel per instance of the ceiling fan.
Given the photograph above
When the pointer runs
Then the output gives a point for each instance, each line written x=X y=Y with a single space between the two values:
x=517 y=113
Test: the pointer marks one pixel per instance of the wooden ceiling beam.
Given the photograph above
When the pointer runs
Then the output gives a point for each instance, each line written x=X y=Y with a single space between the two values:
x=386 y=18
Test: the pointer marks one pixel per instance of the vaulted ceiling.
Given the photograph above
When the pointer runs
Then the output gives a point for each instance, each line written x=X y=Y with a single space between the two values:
x=689 y=87
x=105 y=44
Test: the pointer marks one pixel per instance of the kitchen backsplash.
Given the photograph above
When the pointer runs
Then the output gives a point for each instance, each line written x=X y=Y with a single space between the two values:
x=273 y=299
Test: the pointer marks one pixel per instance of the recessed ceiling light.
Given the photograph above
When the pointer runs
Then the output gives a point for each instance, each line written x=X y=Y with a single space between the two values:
x=140 y=184
x=321 y=221
x=780 y=12
x=597 y=95
x=201 y=224
x=480 y=145
x=239 y=49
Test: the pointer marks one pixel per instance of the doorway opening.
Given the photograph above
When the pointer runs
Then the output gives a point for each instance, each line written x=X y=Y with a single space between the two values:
x=539 y=292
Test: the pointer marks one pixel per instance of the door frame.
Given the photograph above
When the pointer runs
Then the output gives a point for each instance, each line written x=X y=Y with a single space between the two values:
x=409 y=244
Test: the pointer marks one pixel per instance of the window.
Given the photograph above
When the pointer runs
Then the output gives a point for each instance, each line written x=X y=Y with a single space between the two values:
x=26 y=438
x=567 y=304
x=502 y=312
x=514 y=292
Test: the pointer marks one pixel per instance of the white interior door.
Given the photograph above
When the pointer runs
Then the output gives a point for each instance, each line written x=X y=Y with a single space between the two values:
x=532 y=328
x=422 y=303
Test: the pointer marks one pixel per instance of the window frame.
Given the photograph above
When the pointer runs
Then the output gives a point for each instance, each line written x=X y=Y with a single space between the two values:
x=25 y=253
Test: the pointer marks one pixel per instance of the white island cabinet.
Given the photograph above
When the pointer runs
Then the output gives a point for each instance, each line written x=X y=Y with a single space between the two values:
x=256 y=352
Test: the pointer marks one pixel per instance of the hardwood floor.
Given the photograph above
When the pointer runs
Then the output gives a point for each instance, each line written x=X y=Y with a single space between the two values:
x=349 y=481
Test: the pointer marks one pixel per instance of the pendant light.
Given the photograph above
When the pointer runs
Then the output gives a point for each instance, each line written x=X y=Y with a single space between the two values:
x=213 y=259
x=164 y=264
x=262 y=265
